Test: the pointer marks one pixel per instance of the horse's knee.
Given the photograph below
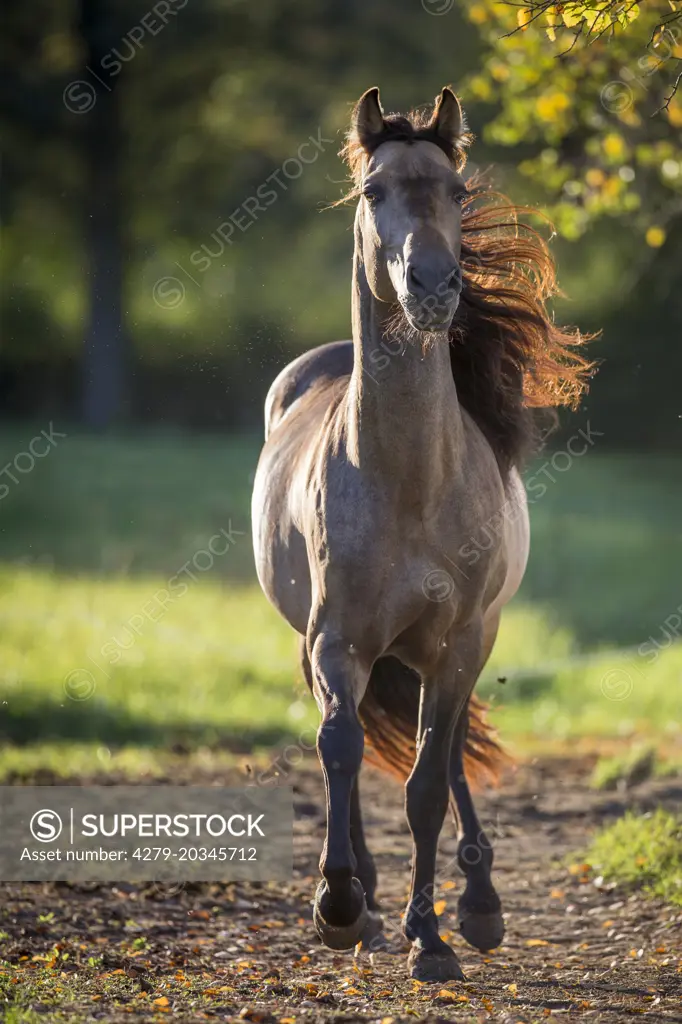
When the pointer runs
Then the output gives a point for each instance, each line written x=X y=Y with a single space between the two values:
x=475 y=853
x=340 y=740
x=338 y=691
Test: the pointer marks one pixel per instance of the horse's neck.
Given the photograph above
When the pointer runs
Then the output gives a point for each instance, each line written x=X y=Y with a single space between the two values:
x=404 y=421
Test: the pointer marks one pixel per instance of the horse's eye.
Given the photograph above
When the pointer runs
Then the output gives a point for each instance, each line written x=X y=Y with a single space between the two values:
x=372 y=195
x=460 y=197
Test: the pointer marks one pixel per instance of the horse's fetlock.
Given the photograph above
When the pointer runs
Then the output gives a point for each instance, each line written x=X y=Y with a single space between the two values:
x=474 y=857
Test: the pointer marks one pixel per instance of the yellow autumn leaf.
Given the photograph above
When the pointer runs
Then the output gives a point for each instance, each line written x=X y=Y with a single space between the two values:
x=438 y=907
x=523 y=19
x=447 y=996
x=571 y=15
x=551 y=104
x=597 y=21
x=612 y=186
x=655 y=236
x=674 y=112
x=480 y=88
x=161 y=1001
x=478 y=14
x=513 y=988
x=595 y=177
x=447 y=886
x=614 y=146
x=629 y=13
x=537 y=942
x=629 y=116
x=552 y=21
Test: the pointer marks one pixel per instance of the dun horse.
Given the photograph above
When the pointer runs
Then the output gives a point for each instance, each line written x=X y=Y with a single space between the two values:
x=387 y=459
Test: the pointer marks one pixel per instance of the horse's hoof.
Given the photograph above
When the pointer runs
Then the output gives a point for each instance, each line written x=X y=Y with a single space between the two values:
x=340 y=936
x=373 y=938
x=482 y=931
x=441 y=965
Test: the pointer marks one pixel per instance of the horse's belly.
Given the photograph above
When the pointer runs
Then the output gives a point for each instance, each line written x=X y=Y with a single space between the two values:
x=516 y=533
x=280 y=551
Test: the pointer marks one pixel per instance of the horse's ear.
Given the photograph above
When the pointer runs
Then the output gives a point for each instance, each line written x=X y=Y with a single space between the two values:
x=368 y=118
x=448 y=120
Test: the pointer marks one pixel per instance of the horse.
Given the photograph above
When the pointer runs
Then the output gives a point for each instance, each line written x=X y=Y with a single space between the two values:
x=386 y=457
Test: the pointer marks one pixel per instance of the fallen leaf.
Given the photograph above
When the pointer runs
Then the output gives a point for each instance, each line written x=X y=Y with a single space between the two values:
x=439 y=906
x=537 y=942
x=447 y=996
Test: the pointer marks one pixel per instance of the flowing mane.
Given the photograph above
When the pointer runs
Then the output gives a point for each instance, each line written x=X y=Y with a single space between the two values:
x=508 y=355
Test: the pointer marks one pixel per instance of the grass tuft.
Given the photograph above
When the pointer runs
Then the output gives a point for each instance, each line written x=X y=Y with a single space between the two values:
x=642 y=851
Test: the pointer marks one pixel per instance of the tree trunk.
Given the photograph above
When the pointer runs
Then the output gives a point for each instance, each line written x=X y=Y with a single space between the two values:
x=104 y=355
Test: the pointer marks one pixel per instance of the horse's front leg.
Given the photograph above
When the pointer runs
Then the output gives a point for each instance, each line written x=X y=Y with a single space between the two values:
x=443 y=700
x=339 y=683
x=479 y=909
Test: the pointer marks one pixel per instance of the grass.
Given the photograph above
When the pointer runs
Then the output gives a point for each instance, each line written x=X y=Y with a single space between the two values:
x=98 y=671
x=638 y=764
x=642 y=851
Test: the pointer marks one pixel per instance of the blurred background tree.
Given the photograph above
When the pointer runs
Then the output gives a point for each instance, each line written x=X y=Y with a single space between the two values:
x=132 y=134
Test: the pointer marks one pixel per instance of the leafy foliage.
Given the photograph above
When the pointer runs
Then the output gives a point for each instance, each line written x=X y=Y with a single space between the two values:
x=600 y=122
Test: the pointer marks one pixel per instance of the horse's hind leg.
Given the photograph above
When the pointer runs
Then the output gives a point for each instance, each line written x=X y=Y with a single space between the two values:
x=339 y=682
x=479 y=908
x=443 y=700
x=372 y=936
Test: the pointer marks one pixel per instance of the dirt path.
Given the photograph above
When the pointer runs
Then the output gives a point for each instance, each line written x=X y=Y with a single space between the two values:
x=573 y=950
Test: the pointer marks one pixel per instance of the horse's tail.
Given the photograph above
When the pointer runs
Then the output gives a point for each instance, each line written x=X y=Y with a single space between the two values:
x=389 y=713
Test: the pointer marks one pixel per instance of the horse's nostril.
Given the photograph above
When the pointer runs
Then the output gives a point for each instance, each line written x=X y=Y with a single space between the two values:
x=413 y=280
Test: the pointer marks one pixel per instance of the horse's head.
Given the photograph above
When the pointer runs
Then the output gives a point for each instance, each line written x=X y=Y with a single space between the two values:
x=410 y=212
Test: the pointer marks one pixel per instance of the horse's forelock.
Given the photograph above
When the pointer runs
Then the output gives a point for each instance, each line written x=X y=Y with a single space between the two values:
x=409 y=128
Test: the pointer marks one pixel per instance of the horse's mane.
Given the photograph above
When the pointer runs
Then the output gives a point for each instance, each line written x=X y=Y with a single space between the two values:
x=508 y=355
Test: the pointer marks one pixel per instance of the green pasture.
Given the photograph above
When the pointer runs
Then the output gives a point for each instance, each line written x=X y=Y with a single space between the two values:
x=108 y=663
